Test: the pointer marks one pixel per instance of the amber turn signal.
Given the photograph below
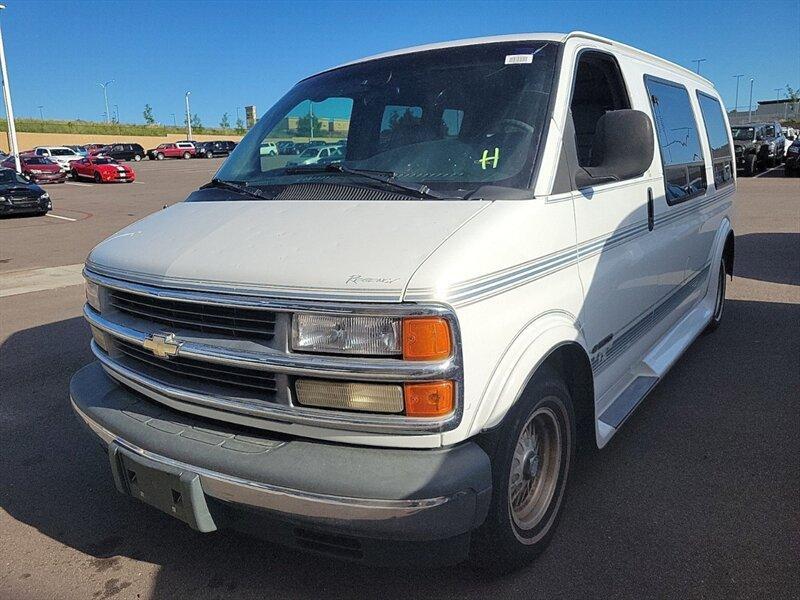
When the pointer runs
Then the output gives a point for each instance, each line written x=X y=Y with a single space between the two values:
x=426 y=338
x=429 y=399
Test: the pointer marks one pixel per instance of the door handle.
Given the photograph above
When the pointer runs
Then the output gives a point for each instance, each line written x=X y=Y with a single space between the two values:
x=651 y=217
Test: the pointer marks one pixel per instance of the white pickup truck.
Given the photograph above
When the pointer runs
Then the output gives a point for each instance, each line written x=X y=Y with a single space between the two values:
x=394 y=357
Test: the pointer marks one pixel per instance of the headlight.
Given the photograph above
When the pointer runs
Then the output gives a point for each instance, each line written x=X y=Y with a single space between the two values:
x=37 y=171
x=44 y=196
x=3 y=199
x=93 y=295
x=413 y=338
x=347 y=335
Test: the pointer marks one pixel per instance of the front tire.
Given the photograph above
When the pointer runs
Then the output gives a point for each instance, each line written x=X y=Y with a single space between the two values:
x=530 y=468
x=750 y=165
x=137 y=157
x=186 y=156
x=160 y=156
x=97 y=178
x=74 y=175
x=719 y=304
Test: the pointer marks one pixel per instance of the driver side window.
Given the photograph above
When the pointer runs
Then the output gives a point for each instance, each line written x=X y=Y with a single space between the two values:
x=598 y=88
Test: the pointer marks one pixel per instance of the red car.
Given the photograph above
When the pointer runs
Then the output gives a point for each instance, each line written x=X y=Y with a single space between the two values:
x=172 y=150
x=102 y=169
x=37 y=168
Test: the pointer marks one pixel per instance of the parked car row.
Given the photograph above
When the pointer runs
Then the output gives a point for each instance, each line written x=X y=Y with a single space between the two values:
x=759 y=146
x=288 y=147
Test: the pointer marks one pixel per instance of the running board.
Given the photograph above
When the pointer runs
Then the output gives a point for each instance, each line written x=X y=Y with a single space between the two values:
x=627 y=401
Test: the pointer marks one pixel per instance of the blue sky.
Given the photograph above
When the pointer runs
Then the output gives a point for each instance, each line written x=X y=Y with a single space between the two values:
x=231 y=54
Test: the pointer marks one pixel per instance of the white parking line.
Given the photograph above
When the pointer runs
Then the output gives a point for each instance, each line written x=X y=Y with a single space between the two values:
x=60 y=217
x=37 y=280
x=78 y=183
x=767 y=171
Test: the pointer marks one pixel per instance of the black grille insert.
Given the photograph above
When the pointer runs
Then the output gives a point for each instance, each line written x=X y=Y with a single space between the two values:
x=179 y=370
x=230 y=321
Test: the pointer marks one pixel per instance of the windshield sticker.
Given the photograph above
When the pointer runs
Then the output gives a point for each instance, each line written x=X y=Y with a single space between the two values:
x=519 y=59
x=490 y=159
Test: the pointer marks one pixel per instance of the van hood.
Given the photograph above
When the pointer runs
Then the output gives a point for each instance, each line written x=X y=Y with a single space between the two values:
x=316 y=250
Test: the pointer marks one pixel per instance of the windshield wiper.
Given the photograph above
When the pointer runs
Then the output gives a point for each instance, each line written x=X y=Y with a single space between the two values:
x=387 y=178
x=235 y=187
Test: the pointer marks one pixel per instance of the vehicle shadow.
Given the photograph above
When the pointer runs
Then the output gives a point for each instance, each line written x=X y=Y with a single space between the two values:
x=619 y=521
x=771 y=257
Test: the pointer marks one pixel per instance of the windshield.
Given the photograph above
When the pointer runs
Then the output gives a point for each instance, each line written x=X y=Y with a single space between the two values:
x=8 y=176
x=743 y=133
x=452 y=119
x=62 y=152
x=36 y=160
x=102 y=160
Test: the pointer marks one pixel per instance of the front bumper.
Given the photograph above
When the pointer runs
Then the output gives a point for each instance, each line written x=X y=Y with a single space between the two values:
x=21 y=207
x=333 y=489
x=59 y=177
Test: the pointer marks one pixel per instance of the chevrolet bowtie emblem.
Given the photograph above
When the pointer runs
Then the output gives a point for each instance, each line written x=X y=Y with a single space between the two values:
x=162 y=345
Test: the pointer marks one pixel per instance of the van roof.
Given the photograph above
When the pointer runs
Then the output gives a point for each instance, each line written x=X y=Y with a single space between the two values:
x=548 y=37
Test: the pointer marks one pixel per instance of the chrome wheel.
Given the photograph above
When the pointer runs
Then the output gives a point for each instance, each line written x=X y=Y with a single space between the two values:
x=535 y=468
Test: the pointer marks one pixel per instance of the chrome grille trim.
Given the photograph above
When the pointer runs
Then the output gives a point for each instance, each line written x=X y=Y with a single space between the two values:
x=276 y=359
x=237 y=322
x=261 y=381
x=362 y=422
x=309 y=365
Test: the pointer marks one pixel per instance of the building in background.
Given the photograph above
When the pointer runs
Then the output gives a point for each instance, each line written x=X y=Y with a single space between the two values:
x=250 y=116
x=768 y=110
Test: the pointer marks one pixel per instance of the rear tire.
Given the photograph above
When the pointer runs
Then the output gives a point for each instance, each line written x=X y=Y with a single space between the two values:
x=719 y=305
x=74 y=175
x=137 y=157
x=97 y=178
x=530 y=468
x=209 y=154
x=160 y=156
x=186 y=156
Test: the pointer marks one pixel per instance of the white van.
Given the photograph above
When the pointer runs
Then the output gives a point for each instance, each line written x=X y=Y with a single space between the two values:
x=402 y=351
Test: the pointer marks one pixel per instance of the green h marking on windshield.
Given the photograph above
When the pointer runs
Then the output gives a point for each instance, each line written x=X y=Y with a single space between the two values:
x=493 y=159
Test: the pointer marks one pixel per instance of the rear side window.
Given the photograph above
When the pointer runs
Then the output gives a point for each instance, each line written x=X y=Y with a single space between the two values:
x=721 y=155
x=678 y=140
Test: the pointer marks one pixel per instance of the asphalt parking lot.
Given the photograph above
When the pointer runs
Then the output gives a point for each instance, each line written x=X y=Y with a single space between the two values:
x=697 y=497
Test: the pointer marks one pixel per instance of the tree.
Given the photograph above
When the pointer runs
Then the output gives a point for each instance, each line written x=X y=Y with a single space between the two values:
x=149 y=119
x=239 y=125
x=225 y=122
x=792 y=94
x=304 y=125
x=196 y=124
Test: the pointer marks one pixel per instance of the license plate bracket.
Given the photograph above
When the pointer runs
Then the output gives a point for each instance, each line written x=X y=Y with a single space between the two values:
x=175 y=491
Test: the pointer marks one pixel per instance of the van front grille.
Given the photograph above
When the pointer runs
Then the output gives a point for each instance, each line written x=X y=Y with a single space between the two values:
x=230 y=321
x=180 y=370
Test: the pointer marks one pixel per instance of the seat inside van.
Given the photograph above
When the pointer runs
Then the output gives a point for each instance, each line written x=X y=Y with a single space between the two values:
x=598 y=89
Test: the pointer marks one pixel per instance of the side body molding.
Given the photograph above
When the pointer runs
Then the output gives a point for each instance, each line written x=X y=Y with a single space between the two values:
x=526 y=352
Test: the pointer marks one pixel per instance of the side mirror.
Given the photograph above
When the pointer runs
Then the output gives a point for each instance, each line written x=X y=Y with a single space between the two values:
x=622 y=148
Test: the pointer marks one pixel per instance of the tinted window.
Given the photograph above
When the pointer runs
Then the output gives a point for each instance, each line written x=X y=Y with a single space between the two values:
x=678 y=140
x=717 y=134
x=598 y=88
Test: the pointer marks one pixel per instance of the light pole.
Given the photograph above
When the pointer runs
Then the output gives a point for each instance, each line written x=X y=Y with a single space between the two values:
x=311 y=117
x=116 y=113
x=41 y=112
x=12 y=128
x=174 y=121
x=188 y=116
x=750 y=104
x=698 y=61
x=105 y=97
x=736 y=104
